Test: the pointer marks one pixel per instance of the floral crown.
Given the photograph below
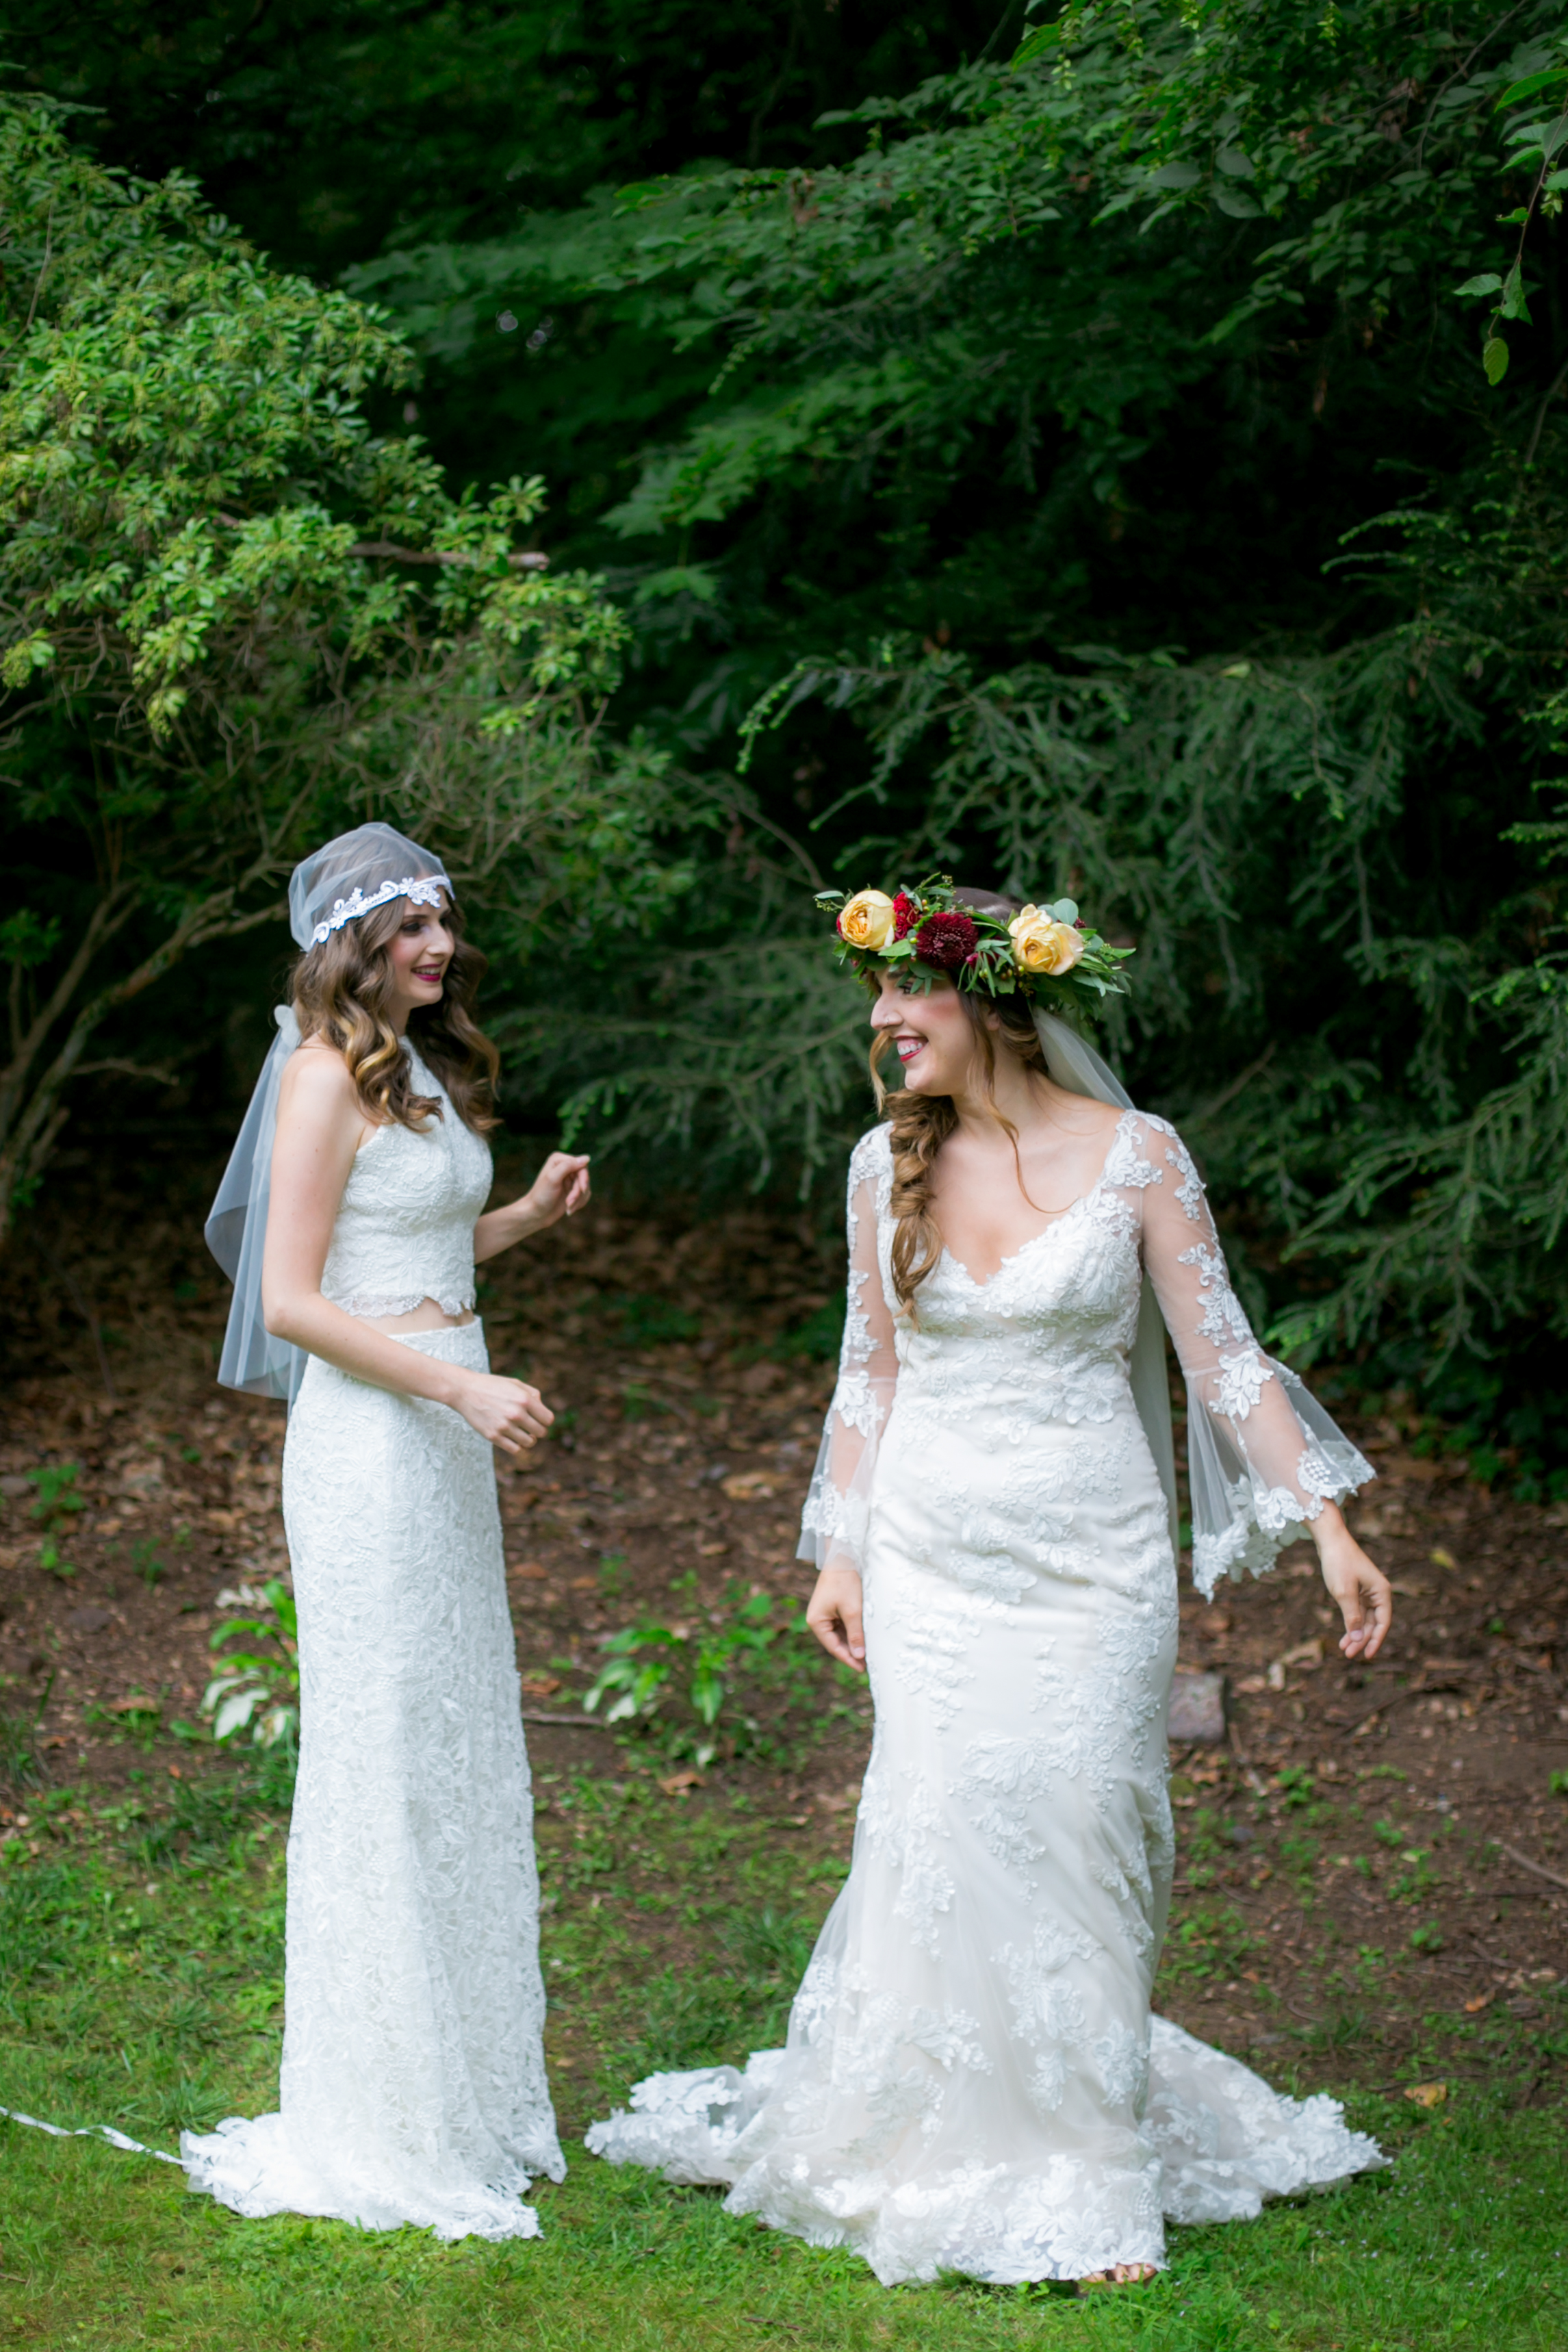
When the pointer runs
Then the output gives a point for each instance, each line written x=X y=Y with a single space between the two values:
x=1047 y=952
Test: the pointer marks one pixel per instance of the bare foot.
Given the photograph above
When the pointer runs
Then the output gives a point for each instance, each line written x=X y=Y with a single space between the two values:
x=1120 y=2275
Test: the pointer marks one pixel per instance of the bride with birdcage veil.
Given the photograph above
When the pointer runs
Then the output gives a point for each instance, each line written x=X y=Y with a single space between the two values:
x=974 y=2080
x=350 y=1218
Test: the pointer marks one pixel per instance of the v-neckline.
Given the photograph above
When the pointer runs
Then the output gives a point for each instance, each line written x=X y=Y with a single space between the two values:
x=1071 y=1210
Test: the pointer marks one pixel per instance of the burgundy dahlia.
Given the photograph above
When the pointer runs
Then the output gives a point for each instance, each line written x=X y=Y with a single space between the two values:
x=904 y=911
x=946 y=940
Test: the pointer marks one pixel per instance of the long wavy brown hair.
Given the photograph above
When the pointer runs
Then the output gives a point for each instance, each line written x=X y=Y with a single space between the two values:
x=342 y=992
x=921 y=1124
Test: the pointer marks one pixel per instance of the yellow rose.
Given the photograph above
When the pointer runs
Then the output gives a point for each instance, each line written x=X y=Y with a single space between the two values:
x=866 y=921
x=1042 y=944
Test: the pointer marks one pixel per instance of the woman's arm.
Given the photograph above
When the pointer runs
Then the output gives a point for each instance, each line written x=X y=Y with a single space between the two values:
x=559 y=1190
x=835 y=1520
x=320 y=1128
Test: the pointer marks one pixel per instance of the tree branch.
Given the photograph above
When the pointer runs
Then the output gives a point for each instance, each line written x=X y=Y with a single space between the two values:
x=1552 y=390
x=105 y=920
x=530 y=560
x=128 y=1069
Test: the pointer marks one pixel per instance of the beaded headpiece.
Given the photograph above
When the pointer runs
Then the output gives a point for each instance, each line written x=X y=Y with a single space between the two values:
x=356 y=873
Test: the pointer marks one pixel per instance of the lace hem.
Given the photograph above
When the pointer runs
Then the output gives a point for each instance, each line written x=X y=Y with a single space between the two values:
x=250 y=2165
x=402 y=1302
x=1216 y=2142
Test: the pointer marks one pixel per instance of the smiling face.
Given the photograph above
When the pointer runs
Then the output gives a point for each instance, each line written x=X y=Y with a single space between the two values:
x=932 y=1034
x=417 y=956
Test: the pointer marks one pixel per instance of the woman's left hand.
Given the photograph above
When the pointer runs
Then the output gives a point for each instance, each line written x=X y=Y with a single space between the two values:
x=1363 y=1593
x=559 y=1190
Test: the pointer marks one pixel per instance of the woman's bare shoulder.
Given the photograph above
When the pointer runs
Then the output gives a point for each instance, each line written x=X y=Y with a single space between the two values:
x=317 y=1078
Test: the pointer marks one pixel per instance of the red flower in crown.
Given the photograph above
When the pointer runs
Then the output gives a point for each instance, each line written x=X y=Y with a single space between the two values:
x=904 y=914
x=946 y=940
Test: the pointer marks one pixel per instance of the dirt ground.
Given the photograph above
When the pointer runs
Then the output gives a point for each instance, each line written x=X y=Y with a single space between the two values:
x=684 y=1450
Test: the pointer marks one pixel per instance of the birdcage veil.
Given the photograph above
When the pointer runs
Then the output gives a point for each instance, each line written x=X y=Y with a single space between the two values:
x=356 y=873
x=344 y=879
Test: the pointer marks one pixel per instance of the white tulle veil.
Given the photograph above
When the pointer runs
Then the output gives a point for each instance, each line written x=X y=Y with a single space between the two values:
x=1075 y=1066
x=336 y=884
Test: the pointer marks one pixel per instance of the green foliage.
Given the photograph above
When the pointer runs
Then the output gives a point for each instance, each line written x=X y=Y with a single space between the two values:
x=56 y=1497
x=21 y=1755
x=146 y=1561
x=233 y=617
x=332 y=126
x=259 y=1689
x=729 y=1064
x=1065 y=287
x=647 y=1664
x=1126 y=458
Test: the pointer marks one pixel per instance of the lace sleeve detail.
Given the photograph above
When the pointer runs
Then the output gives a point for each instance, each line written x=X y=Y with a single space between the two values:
x=1263 y=1456
x=833 y=1523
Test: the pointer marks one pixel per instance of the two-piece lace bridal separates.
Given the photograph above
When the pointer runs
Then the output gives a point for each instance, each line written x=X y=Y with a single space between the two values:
x=412 y=2080
x=973 y=2079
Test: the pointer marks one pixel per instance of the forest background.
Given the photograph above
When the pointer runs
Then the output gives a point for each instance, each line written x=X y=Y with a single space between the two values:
x=1118 y=451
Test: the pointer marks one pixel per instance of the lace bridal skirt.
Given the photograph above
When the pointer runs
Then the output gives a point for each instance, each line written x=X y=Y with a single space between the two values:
x=1216 y=2142
x=973 y=2080
x=413 y=2083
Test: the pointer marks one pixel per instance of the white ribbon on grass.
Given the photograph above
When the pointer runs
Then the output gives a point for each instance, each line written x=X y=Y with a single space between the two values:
x=88 y=2131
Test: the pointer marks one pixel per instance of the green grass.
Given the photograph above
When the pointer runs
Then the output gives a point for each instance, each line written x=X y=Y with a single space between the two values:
x=675 y=1933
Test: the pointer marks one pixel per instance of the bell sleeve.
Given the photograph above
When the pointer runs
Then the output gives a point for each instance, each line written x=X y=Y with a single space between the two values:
x=1263 y=1457
x=833 y=1523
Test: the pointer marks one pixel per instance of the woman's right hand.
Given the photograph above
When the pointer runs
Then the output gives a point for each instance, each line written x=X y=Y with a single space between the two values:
x=508 y=1413
x=833 y=1614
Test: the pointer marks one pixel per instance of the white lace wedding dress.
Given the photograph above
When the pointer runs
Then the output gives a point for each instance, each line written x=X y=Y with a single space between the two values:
x=412 y=2080
x=973 y=2080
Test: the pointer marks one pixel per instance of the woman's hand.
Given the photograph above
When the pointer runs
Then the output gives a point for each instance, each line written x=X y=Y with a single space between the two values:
x=559 y=1190
x=506 y=1413
x=1365 y=1596
x=833 y=1614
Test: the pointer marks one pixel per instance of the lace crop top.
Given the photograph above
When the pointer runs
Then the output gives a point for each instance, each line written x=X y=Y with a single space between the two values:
x=405 y=1224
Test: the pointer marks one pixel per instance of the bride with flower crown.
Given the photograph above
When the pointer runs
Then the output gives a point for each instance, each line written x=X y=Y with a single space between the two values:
x=350 y=1219
x=973 y=2079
